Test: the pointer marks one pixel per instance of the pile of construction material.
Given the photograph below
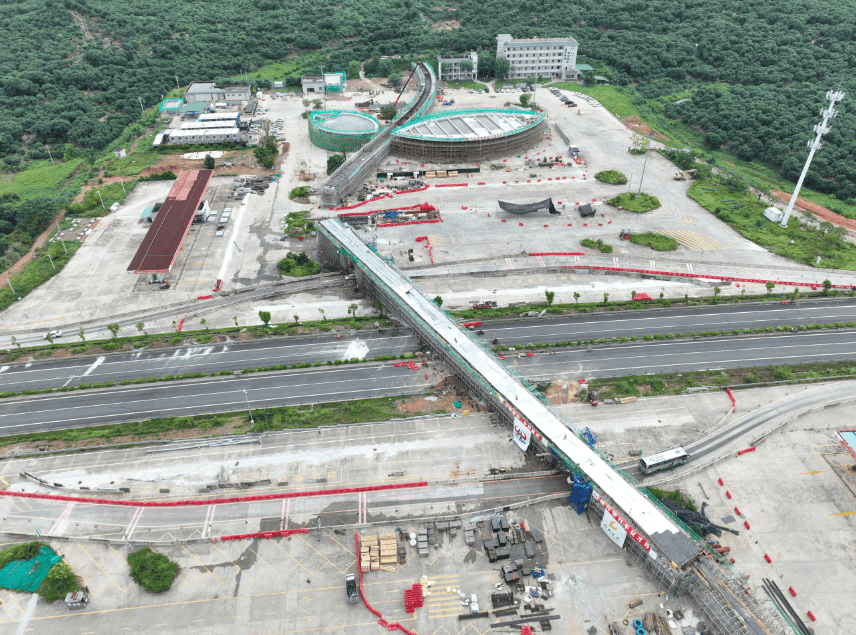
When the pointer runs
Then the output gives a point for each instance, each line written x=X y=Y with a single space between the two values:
x=378 y=553
x=250 y=184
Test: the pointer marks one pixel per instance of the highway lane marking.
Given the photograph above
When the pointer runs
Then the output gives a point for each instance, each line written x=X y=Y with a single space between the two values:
x=327 y=396
x=91 y=368
x=186 y=357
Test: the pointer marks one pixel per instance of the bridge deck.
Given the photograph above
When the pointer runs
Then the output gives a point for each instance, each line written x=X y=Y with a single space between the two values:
x=675 y=544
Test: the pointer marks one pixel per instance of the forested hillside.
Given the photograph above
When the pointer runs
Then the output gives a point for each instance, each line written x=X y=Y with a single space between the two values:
x=73 y=71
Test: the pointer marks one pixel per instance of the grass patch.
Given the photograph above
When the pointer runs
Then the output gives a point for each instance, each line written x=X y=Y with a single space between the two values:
x=151 y=570
x=41 y=178
x=326 y=414
x=296 y=223
x=37 y=271
x=298 y=265
x=613 y=98
x=598 y=244
x=611 y=176
x=460 y=83
x=635 y=202
x=742 y=212
x=677 y=496
x=659 y=242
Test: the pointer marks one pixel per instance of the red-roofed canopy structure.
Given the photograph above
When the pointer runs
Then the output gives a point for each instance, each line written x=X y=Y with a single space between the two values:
x=159 y=248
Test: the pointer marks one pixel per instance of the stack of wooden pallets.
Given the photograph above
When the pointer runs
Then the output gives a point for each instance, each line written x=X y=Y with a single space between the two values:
x=388 y=552
x=369 y=554
x=378 y=553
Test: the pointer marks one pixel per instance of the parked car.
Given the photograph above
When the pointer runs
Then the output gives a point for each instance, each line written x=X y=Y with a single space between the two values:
x=53 y=334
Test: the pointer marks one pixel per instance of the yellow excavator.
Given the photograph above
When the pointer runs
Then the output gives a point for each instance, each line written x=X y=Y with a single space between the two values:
x=683 y=174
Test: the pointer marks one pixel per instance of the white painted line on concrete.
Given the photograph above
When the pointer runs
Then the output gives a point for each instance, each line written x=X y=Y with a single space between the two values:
x=25 y=620
x=91 y=368
x=63 y=517
x=135 y=519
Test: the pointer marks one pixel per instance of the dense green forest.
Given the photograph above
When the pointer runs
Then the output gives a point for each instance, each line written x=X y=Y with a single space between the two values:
x=73 y=73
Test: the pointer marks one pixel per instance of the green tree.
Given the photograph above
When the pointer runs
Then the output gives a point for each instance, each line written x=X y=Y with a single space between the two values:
x=59 y=582
x=770 y=286
x=384 y=67
x=394 y=79
x=531 y=80
x=389 y=111
x=151 y=570
x=588 y=78
x=49 y=338
x=264 y=316
x=467 y=67
x=716 y=292
x=796 y=293
x=438 y=300
x=80 y=333
x=141 y=327
x=550 y=295
x=524 y=99
x=352 y=309
x=354 y=69
x=334 y=161
x=321 y=311
x=208 y=163
x=378 y=305
x=202 y=322
x=296 y=319
x=827 y=286
x=576 y=297
x=114 y=329
x=502 y=66
x=235 y=317
x=632 y=295
x=605 y=298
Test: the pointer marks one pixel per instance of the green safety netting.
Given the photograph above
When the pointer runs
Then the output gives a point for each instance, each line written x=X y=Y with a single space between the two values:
x=28 y=575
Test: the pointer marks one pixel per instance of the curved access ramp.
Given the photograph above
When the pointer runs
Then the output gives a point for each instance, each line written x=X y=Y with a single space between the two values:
x=362 y=164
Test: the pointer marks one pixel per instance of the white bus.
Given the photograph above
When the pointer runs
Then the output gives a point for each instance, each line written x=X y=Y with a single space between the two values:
x=663 y=460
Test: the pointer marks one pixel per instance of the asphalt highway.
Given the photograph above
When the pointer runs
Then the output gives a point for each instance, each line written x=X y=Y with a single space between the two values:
x=664 y=356
x=288 y=351
x=215 y=394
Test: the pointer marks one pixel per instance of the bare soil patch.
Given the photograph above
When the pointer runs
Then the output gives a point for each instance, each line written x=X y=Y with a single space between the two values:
x=637 y=125
x=820 y=212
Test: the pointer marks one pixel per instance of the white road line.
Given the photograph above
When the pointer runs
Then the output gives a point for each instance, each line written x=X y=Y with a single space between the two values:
x=135 y=519
x=60 y=521
x=92 y=367
x=25 y=620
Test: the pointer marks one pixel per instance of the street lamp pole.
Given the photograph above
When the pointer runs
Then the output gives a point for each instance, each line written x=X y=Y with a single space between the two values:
x=643 y=173
x=248 y=406
x=102 y=200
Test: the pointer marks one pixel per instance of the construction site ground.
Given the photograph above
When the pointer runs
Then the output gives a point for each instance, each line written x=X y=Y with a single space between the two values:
x=296 y=584
x=95 y=283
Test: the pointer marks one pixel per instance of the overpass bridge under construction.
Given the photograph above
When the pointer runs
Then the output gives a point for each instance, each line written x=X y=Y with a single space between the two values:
x=668 y=550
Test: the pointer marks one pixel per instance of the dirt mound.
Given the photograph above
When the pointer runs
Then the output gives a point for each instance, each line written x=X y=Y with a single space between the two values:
x=820 y=212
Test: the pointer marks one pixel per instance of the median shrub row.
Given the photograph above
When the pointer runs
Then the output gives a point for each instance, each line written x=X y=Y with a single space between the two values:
x=669 y=336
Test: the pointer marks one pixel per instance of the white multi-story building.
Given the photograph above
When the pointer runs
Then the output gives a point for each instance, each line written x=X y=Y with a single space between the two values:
x=450 y=66
x=539 y=57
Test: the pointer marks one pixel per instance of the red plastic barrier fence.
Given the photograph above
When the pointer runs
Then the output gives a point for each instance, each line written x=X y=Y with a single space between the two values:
x=412 y=209
x=265 y=534
x=180 y=324
x=727 y=494
x=558 y=253
x=792 y=591
x=205 y=297
x=719 y=480
x=731 y=396
x=216 y=501
x=355 y=205
x=469 y=324
x=767 y=558
x=737 y=511
x=417 y=189
x=742 y=452
x=410 y=222
x=811 y=616
x=394 y=626
x=746 y=524
x=218 y=285
x=452 y=185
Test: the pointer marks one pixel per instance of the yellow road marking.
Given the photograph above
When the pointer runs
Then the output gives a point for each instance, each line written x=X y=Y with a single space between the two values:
x=810 y=473
x=843 y=514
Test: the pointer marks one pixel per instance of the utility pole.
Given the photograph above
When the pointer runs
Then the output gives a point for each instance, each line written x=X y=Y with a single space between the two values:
x=48 y=148
x=248 y=406
x=821 y=129
x=141 y=105
x=643 y=172
x=52 y=262
x=13 y=289
x=177 y=85
x=102 y=200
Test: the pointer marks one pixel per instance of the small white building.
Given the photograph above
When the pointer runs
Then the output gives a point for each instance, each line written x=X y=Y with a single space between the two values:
x=209 y=91
x=539 y=57
x=450 y=67
x=328 y=82
x=278 y=85
x=193 y=136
